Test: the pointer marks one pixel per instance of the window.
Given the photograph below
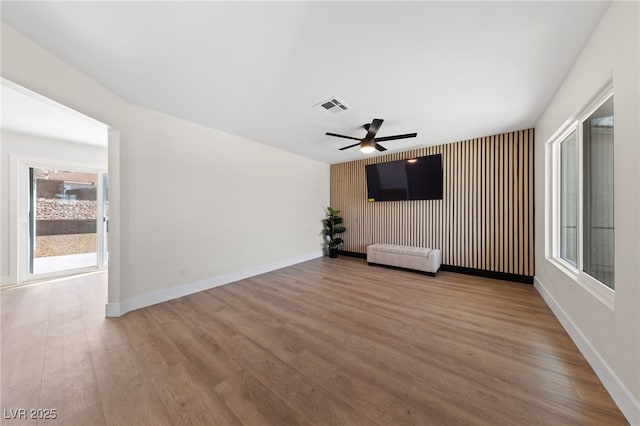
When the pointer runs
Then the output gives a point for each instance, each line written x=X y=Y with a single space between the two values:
x=582 y=232
x=598 y=194
x=569 y=199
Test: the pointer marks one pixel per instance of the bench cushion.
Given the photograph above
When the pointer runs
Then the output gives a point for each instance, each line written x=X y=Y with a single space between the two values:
x=408 y=250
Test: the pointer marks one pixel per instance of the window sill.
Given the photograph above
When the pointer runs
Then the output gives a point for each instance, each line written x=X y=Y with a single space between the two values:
x=598 y=290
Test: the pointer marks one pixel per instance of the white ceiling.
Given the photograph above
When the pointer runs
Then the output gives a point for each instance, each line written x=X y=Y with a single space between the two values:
x=28 y=113
x=447 y=70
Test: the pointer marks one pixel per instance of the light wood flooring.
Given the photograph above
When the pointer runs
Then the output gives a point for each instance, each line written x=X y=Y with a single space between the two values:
x=325 y=342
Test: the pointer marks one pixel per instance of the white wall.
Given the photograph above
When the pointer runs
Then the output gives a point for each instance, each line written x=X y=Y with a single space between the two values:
x=609 y=338
x=214 y=203
x=15 y=144
x=266 y=206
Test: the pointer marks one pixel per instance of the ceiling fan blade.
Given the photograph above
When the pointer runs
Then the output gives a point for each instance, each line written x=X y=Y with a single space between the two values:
x=380 y=147
x=373 y=128
x=391 y=138
x=341 y=136
x=350 y=146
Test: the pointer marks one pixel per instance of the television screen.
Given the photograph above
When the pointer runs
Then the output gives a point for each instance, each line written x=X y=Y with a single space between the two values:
x=412 y=179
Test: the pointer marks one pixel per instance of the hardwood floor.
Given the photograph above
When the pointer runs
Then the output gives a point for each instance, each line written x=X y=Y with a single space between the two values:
x=325 y=342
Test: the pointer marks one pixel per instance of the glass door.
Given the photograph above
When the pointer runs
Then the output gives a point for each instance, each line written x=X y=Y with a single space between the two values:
x=62 y=220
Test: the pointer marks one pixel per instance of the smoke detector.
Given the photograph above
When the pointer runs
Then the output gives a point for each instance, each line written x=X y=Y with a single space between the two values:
x=331 y=106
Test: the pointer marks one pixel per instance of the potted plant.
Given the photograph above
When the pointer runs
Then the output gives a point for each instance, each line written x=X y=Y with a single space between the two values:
x=332 y=227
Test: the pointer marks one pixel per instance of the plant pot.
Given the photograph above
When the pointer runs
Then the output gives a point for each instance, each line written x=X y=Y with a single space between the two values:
x=333 y=252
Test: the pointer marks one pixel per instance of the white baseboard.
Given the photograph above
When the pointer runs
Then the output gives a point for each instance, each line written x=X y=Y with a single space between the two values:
x=629 y=406
x=159 y=296
x=5 y=280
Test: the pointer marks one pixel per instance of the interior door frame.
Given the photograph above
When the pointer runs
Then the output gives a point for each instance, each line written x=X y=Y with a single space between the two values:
x=103 y=220
x=19 y=200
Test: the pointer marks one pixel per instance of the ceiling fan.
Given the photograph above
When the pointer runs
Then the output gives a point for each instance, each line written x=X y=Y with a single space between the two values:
x=370 y=142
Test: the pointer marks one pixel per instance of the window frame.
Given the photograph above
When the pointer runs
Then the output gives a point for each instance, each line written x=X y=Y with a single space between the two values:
x=553 y=147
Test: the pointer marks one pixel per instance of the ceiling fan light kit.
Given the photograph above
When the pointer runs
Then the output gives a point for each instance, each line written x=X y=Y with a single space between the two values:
x=369 y=143
x=367 y=146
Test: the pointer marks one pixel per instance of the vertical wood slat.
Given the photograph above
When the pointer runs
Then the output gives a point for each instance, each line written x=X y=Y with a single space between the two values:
x=509 y=204
x=530 y=199
x=493 y=205
x=481 y=212
x=500 y=205
x=484 y=221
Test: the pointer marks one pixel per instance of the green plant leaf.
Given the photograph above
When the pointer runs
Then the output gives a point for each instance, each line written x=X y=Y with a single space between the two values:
x=331 y=228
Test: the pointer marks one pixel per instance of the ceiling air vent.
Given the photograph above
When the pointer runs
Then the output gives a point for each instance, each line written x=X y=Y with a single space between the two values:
x=331 y=106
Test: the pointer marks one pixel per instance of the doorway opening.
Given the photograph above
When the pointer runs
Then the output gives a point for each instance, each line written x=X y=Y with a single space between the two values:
x=54 y=218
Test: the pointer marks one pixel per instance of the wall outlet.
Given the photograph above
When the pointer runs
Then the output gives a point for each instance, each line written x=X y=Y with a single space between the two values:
x=182 y=272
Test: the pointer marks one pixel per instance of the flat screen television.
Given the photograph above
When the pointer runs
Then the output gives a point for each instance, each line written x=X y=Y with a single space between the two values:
x=413 y=179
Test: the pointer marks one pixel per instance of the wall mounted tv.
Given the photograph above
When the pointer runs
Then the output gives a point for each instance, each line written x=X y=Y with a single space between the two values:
x=412 y=179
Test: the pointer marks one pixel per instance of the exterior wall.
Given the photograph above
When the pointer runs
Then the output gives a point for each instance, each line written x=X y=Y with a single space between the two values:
x=65 y=226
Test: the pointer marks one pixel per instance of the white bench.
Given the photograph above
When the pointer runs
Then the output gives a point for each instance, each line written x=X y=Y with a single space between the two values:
x=417 y=258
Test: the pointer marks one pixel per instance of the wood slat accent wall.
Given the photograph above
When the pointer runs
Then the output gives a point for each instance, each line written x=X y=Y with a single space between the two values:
x=484 y=221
